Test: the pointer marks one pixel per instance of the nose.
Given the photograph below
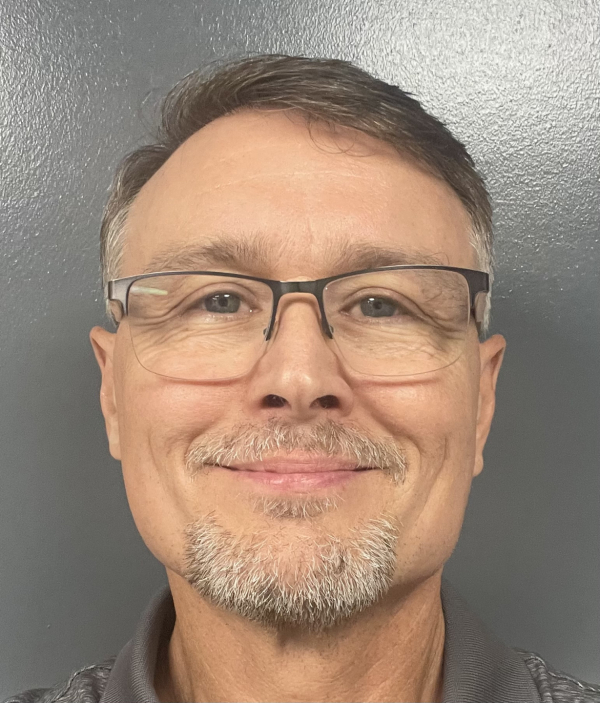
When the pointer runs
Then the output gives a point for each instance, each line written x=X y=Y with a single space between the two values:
x=300 y=377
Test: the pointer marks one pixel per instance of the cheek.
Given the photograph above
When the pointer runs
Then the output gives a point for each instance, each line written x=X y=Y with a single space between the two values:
x=158 y=420
x=432 y=415
x=435 y=421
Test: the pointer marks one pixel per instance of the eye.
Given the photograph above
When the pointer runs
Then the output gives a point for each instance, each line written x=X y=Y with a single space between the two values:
x=227 y=303
x=378 y=307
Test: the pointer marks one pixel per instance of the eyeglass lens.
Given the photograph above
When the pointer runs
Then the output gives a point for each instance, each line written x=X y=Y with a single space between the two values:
x=385 y=323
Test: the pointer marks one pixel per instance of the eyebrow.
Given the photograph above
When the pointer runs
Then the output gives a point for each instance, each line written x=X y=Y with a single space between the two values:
x=247 y=255
x=354 y=257
x=254 y=257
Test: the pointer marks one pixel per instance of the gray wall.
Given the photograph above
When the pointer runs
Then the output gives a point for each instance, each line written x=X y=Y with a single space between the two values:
x=518 y=81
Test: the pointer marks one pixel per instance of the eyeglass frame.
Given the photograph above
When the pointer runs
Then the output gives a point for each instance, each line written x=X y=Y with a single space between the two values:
x=478 y=282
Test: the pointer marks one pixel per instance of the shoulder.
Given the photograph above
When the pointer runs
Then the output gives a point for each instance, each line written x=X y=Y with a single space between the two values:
x=555 y=686
x=84 y=686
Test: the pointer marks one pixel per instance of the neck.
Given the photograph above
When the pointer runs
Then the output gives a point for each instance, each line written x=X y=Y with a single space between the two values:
x=392 y=652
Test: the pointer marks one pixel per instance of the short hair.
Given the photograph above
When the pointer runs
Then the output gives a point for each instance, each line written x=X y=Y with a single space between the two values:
x=329 y=91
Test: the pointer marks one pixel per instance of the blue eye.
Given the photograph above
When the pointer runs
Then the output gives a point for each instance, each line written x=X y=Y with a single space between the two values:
x=222 y=303
x=378 y=307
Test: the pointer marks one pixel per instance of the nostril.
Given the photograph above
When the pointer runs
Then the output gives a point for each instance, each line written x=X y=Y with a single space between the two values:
x=274 y=401
x=328 y=401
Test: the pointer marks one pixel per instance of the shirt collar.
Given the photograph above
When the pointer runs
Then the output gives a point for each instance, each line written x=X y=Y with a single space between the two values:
x=132 y=675
x=477 y=666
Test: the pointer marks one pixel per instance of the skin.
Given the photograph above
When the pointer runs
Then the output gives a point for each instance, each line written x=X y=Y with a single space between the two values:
x=305 y=194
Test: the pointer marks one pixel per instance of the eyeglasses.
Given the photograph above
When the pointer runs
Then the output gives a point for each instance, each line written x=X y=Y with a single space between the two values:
x=387 y=322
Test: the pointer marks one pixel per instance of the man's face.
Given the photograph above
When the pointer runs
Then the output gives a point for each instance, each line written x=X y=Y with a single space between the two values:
x=262 y=183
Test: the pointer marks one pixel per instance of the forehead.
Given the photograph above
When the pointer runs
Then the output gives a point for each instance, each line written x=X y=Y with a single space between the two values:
x=263 y=193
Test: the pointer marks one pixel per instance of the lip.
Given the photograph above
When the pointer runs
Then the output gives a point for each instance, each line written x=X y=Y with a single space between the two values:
x=297 y=474
x=297 y=465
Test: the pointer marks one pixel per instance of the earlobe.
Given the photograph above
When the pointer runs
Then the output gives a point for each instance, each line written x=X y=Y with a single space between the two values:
x=491 y=356
x=103 y=345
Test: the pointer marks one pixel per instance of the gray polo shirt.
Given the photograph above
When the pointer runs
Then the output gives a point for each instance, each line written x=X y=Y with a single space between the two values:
x=478 y=668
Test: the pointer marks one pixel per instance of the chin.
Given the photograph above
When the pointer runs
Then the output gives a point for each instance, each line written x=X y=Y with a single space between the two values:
x=288 y=578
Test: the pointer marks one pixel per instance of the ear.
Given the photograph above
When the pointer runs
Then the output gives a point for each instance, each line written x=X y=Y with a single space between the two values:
x=103 y=343
x=491 y=353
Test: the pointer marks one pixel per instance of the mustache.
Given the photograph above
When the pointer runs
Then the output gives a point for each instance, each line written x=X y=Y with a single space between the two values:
x=250 y=443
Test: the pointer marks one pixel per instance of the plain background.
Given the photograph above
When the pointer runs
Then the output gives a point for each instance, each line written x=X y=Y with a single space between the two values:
x=517 y=81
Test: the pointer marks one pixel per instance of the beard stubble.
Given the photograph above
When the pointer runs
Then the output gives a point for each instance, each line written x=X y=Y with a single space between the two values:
x=312 y=583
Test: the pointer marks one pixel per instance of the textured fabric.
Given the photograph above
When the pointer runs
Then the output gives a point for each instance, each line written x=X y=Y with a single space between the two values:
x=556 y=686
x=478 y=668
x=84 y=686
x=133 y=673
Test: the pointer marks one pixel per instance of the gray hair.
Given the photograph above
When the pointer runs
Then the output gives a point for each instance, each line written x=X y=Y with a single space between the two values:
x=328 y=91
x=283 y=583
x=249 y=443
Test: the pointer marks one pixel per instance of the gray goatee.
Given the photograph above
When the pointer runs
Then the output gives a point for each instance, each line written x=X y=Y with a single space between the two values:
x=295 y=581
x=312 y=587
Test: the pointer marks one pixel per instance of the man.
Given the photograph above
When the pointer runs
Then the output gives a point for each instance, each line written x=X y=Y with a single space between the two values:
x=300 y=389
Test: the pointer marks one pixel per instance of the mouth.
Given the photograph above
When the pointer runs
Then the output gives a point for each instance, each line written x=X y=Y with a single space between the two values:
x=298 y=474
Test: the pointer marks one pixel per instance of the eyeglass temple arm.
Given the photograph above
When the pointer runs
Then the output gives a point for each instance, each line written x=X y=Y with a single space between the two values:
x=479 y=289
x=115 y=293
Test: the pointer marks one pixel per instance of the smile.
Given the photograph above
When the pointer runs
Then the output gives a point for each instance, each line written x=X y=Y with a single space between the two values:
x=301 y=475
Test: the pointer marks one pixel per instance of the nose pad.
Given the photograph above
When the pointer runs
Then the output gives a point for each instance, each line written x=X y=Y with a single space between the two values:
x=327 y=328
x=274 y=329
x=271 y=330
